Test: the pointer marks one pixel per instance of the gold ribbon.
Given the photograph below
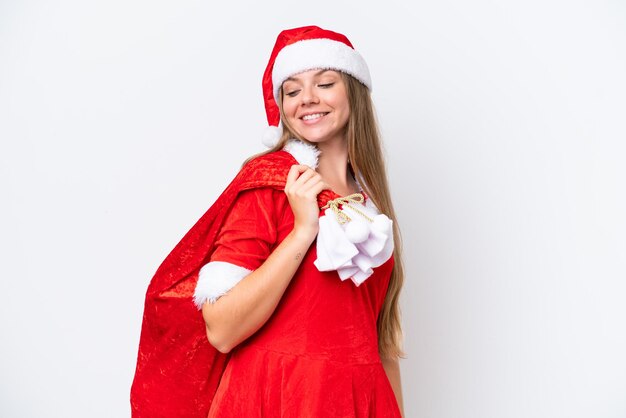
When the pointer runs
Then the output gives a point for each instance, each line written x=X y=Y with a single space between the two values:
x=342 y=218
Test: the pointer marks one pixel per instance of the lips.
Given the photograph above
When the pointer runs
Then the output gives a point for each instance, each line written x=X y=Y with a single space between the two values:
x=313 y=116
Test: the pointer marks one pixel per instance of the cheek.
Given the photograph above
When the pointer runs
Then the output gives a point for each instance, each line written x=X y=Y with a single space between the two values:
x=344 y=108
x=340 y=102
x=289 y=108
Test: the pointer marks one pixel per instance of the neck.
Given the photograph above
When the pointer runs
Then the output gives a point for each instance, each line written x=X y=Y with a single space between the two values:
x=333 y=166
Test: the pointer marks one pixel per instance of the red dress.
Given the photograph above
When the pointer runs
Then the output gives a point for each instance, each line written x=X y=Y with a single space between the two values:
x=317 y=355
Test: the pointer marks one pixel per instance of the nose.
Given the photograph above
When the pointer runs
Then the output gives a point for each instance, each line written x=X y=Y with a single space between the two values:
x=308 y=96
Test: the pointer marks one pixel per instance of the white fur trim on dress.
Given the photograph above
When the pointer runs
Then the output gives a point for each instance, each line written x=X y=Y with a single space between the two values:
x=311 y=54
x=355 y=248
x=304 y=153
x=215 y=280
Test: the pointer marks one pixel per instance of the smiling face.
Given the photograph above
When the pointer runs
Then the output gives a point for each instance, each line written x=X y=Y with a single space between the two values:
x=315 y=105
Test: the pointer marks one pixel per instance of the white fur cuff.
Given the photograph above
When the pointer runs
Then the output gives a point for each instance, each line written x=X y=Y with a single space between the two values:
x=215 y=280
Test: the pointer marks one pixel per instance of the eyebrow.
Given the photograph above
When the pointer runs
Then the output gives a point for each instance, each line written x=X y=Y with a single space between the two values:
x=320 y=72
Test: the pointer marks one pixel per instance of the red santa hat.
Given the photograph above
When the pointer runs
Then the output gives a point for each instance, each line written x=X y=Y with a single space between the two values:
x=302 y=49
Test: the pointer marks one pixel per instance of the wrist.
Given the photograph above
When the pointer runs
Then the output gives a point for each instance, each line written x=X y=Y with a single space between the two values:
x=305 y=233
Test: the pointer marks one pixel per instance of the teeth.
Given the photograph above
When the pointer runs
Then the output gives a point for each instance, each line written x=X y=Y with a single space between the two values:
x=313 y=116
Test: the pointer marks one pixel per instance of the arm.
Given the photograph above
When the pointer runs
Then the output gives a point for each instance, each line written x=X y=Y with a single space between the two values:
x=247 y=306
x=392 y=368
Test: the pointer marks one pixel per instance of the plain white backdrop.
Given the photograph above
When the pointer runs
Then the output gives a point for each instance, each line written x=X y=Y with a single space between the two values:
x=505 y=129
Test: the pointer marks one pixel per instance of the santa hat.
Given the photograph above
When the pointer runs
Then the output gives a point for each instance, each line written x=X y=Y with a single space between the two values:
x=302 y=49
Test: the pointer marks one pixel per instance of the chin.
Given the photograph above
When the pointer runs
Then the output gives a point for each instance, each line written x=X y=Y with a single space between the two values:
x=318 y=138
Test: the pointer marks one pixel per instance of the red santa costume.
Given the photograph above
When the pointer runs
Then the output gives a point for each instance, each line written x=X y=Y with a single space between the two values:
x=317 y=355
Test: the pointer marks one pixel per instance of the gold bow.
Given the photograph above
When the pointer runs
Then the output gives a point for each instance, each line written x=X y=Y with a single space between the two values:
x=342 y=218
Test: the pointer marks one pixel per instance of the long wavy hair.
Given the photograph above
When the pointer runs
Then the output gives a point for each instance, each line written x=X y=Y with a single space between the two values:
x=366 y=160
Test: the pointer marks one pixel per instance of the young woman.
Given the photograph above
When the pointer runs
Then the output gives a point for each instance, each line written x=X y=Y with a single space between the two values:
x=294 y=267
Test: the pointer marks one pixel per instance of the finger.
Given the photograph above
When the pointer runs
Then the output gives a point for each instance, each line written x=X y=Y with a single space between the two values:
x=301 y=180
x=315 y=186
x=304 y=178
x=313 y=193
x=320 y=187
x=294 y=173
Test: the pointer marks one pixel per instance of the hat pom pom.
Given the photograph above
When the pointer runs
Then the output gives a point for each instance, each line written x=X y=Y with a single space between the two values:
x=272 y=136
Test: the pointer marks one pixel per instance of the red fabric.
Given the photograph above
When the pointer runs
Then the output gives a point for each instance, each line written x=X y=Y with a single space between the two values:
x=317 y=356
x=251 y=228
x=177 y=369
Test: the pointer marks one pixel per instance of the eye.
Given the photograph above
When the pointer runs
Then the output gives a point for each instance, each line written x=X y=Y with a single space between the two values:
x=292 y=93
x=326 y=85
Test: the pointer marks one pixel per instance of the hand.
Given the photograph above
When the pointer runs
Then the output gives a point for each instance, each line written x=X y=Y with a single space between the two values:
x=302 y=187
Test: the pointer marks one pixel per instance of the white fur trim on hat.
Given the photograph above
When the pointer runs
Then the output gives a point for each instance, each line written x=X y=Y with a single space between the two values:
x=215 y=280
x=313 y=54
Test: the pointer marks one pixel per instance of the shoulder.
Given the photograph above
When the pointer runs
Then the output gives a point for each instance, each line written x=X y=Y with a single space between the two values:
x=271 y=169
x=259 y=205
x=266 y=170
x=294 y=152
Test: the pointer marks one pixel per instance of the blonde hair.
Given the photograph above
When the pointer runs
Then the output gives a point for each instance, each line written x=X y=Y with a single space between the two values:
x=365 y=155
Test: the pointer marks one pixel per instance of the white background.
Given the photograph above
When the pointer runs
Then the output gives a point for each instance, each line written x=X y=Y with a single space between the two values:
x=504 y=122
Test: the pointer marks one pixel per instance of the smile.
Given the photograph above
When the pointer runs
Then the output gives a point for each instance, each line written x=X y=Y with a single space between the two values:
x=313 y=116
